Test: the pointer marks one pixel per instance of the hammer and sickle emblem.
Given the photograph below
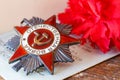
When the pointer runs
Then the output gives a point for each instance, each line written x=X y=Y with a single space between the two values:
x=38 y=41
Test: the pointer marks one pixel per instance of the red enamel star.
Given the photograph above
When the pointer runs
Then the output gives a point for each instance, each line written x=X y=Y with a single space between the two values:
x=42 y=41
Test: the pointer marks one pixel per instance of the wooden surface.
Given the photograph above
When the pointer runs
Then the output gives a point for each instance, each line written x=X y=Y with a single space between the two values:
x=108 y=70
x=1 y=78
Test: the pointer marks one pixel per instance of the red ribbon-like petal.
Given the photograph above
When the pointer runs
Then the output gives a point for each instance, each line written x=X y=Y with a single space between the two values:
x=95 y=20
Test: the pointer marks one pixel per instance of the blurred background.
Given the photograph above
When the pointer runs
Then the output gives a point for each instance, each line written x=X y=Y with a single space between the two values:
x=13 y=11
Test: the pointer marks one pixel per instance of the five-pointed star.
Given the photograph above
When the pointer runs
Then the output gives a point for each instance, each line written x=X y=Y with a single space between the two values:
x=47 y=59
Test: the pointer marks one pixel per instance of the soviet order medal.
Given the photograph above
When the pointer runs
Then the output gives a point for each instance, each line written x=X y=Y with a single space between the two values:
x=42 y=43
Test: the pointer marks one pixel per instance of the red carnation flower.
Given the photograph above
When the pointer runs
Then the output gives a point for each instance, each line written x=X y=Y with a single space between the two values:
x=95 y=20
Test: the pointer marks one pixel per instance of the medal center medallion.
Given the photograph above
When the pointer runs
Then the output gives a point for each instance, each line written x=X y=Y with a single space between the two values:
x=40 y=39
